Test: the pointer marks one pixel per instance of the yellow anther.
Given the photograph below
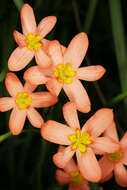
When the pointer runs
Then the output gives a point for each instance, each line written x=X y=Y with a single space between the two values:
x=115 y=157
x=33 y=42
x=23 y=100
x=76 y=178
x=80 y=140
x=64 y=73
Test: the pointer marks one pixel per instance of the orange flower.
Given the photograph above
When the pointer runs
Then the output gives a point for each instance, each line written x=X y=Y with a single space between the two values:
x=115 y=161
x=71 y=175
x=65 y=72
x=85 y=142
x=32 y=41
x=23 y=101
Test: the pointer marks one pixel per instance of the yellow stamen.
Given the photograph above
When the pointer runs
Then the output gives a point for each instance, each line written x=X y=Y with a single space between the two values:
x=80 y=140
x=76 y=178
x=115 y=157
x=33 y=42
x=23 y=100
x=64 y=73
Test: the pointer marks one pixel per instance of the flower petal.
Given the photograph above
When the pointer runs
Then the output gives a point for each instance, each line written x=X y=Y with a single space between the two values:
x=70 y=115
x=124 y=159
x=56 y=132
x=28 y=19
x=88 y=163
x=112 y=132
x=107 y=178
x=34 y=117
x=42 y=59
x=19 y=38
x=71 y=166
x=77 y=94
x=6 y=104
x=17 y=120
x=46 y=25
x=43 y=99
x=13 y=84
x=19 y=58
x=54 y=86
x=56 y=53
x=105 y=145
x=28 y=87
x=35 y=76
x=97 y=124
x=72 y=186
x=90 y=73
x=120 y=175
x=62 y=177
x=76 y=50
x=123 y=141
x=62 y=158
x=84 y=185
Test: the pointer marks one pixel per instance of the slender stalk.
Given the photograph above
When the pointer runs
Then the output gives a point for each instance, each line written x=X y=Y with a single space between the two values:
x=76 y=14
x=18 y=4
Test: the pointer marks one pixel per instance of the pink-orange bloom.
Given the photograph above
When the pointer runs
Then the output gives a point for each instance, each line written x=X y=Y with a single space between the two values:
x=115 y=161
x=31 y=42
x=65 y=72
x=23 y=102
x=85 y=142
x=71 y=175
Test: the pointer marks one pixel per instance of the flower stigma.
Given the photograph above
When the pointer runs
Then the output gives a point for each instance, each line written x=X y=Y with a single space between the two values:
x=64 y=73
x=23 y=100
x=115 y=156
x=80 y=140
x=33 y=42
x=76 y=178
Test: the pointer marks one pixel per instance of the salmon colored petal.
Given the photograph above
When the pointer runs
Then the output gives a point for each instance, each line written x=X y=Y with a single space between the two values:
x=105 y=145
x=42 y=59
x=88 y=165
x=112 y=132
x=98 y=123
x=28 y=19
x=70 y=115
x=108 y=177
x=54 y=86
x=43 y=99
x=34 y=117
x=56 y=132
x=71 y=166
x=35 y=76
x=124 y=159
x=90 y=73
x=62 y=177
x=13 y=84
x=55 y=52
x=76 y=50
x=120 y=174
x=19 y=38
x=19 y=58
x=17 y=120
x=46 y=25
x=106 y=167
x=123 y=141
x=28 y=87
x=6 y=104
x=63 y=48
x=74 y=187
x=84 y=185
x=62 y=158
x=77 y=94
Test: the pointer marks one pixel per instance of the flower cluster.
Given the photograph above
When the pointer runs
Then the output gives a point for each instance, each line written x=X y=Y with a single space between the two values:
x=59 y=67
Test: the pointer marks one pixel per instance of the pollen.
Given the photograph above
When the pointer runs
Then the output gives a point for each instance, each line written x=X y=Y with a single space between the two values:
x=23 y=100
x=76 y=178
x=115 y=157
x=64 y=73
x=33 y=42
x=80 y=141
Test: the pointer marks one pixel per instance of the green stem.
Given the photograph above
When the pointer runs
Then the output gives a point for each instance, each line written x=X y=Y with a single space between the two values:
x=76 y=14
x=18 y=4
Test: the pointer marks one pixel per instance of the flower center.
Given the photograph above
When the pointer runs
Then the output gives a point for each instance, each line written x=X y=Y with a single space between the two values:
x=76 y=177
x=115 y=156
x=23 y=100
x=80 y=140
x=64 y=73
x=33 y=42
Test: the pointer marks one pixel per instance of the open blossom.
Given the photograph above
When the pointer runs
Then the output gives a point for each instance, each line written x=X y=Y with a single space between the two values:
x=65 y=72
x=23 y=101
x=71 y=175
x=115 y=161
x=85 y=142
x=31 y=42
